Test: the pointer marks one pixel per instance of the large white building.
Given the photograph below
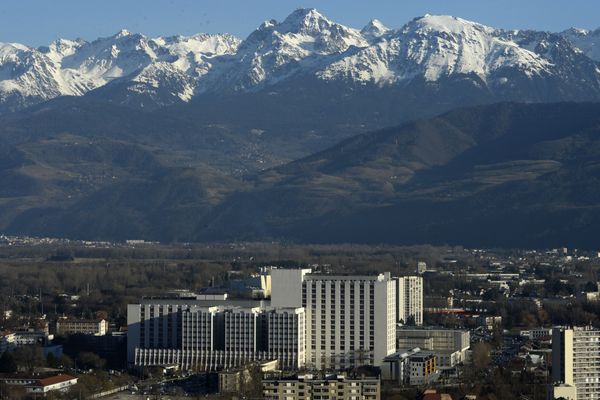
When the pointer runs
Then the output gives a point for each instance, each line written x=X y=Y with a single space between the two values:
x=410 y=299
x=350 y=320
x=195 y=334
x=576 y=360
x=321 y=321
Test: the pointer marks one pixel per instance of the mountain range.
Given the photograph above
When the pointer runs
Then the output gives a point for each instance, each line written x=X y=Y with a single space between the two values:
x=133 y=69
x=440 y=131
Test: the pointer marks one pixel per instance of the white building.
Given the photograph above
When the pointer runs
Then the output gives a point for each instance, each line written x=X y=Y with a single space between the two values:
x=196 y=334
x=96 y=327
x=537 y=333
x=576 y=360
x=60 y=383
x=410 y=299
x=27 y=338
x=325 y=321
x=422 y=368
x=350 y=320
x=41 y=385
x=396 y=367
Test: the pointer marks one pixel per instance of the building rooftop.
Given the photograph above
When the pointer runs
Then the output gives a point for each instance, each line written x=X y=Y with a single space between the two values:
x=53 y=380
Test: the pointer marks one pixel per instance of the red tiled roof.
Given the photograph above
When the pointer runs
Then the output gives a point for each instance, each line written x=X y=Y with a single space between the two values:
x=53 y=380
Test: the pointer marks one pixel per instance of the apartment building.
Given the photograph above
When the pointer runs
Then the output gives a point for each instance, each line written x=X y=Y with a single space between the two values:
x=66 y=326
x=331 y=387
x=576 y=360
x=409 y=305
x=194 y=334
x=321 y=321
x=350 y=320
x=422 y=368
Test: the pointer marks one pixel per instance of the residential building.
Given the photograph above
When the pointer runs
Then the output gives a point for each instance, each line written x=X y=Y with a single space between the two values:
x=562 y=391
x=489 y=322
x=396 y=367
x=41 y=385
x=576 y=360
x=409 y=304
x=60 y=383
x=350 y=320
x=537 y=333
x=234 y=380
x=323 y=321
x=30 y=337
x=331 y=387
x=422 y=368
x=195 y=334
x=65 y=326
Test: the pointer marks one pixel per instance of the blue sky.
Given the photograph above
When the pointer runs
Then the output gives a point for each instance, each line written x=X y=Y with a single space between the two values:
x=38 y=22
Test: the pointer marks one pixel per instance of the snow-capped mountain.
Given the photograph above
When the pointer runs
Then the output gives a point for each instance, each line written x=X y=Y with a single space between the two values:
x=75 y=67
x=585 y=40
x=137 y=70
x=304 y=42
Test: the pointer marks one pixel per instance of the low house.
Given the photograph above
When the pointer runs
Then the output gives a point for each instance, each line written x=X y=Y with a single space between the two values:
x=41 y=385
x=60 y=382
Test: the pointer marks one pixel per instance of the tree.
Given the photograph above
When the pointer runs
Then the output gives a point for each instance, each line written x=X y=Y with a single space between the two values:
x=28 y=358
x=51 y=360
x=481 y=355
x=101 y=315
x=7 y=363
x=66 y=362
x=251 y=381
x=89 y=360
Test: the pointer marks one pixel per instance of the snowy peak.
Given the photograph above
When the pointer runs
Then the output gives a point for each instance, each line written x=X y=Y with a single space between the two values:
x=374 y=29
x=306 y=45
x=305 y=20
x=122 y=33
x=440 y=46
x=445 y=24
x=304 y=42
x=588 y=42
x=75 y=67
x=308 y=29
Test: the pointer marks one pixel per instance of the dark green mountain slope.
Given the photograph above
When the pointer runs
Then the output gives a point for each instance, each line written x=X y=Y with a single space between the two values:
x=503 y=175
x=507 y=174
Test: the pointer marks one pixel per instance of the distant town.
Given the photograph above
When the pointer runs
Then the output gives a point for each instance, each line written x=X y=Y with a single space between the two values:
x=275 y=321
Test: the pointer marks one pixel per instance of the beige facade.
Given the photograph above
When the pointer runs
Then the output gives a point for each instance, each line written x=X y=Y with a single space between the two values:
x=410 y=299
x=576 y=360
x=84 y=326
x=330 y=388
